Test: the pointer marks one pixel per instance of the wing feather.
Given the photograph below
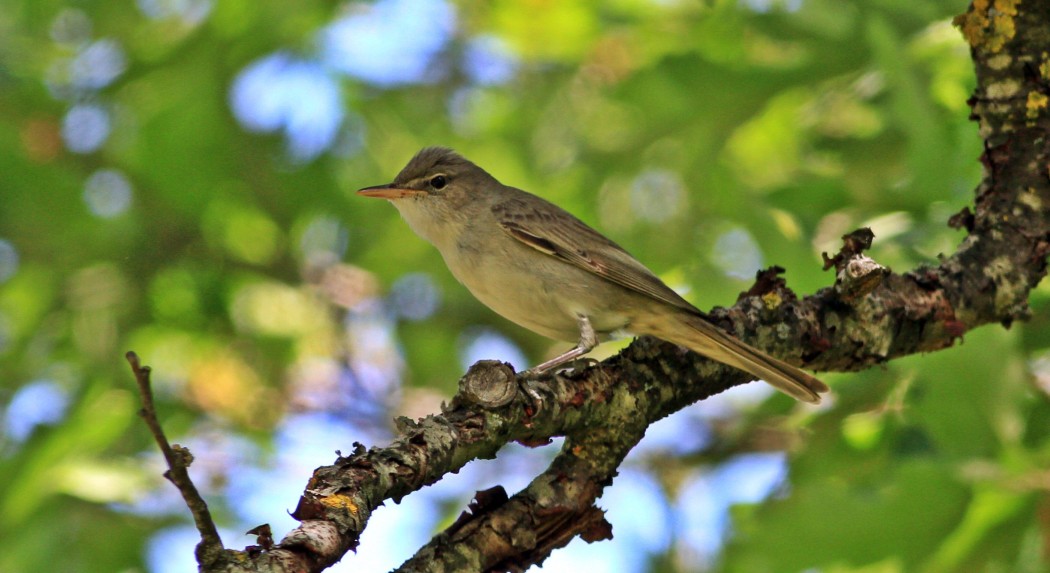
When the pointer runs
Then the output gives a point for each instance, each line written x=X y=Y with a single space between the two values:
x=553 y=231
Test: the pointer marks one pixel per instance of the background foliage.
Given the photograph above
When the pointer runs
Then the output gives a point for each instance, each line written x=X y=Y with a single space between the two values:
x=176 y=178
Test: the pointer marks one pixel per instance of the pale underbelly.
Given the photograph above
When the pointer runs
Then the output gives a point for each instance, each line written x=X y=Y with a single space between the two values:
x=549 y=298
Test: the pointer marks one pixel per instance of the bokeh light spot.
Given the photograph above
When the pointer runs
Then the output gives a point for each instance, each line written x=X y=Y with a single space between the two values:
x=737 y=253
x=390 y=42
x=174 y=296
x=657 y=195
x=97 y=65
x=415 y=296
x=298 y=97
x=107 y=193
x=488 y=61
x=85 y=128
x=324 y=238
x=252 y=236
x=243 y=231
x=279 y=310
x=71 y=26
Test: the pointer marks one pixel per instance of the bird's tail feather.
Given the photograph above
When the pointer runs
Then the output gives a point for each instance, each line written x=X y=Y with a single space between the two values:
x=702 y=337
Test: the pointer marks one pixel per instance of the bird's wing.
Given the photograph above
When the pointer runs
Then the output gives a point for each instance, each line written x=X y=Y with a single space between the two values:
x=551 y=230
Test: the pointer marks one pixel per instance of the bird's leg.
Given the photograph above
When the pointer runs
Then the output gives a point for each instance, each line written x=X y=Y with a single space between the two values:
x=588 y=340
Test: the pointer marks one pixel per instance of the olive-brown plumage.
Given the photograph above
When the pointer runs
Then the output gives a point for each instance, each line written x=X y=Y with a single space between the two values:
x=542 y=268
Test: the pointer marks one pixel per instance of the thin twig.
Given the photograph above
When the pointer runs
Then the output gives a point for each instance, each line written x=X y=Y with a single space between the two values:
x=179 y=459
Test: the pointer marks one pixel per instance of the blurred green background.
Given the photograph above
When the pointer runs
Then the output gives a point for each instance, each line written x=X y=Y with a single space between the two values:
x=177 y=177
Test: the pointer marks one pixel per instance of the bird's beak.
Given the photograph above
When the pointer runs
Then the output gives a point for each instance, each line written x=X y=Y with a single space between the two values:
x=389 y=191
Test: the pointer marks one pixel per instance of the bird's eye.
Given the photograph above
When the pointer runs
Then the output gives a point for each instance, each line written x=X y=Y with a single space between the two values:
x=438 y=181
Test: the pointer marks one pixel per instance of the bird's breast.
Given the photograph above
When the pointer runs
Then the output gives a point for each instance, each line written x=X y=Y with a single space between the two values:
x=535 y=290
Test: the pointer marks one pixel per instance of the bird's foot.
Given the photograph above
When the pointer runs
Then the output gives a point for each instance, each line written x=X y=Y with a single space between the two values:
x=581 y=363
x=528 y=386
x=529 y=380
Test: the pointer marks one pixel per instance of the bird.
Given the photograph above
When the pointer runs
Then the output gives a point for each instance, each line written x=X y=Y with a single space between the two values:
x=542 y=268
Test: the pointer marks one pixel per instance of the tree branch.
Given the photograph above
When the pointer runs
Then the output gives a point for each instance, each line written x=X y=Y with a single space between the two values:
x=178 y=458
x=514 y=534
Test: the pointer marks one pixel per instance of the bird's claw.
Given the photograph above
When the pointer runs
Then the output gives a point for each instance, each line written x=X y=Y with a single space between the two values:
x=533 y=399
x=529 y=380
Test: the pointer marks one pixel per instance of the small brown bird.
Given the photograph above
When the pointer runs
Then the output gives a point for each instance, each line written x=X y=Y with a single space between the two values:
x=542 y=268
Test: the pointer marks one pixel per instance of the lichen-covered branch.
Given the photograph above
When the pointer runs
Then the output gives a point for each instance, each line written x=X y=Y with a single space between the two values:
x=501 y=534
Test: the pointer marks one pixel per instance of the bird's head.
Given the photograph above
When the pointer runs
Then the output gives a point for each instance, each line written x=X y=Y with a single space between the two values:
x=438 y=193
x=435 y=174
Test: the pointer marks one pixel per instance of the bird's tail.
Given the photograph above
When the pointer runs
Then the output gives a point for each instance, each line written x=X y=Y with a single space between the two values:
x=699 y=335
